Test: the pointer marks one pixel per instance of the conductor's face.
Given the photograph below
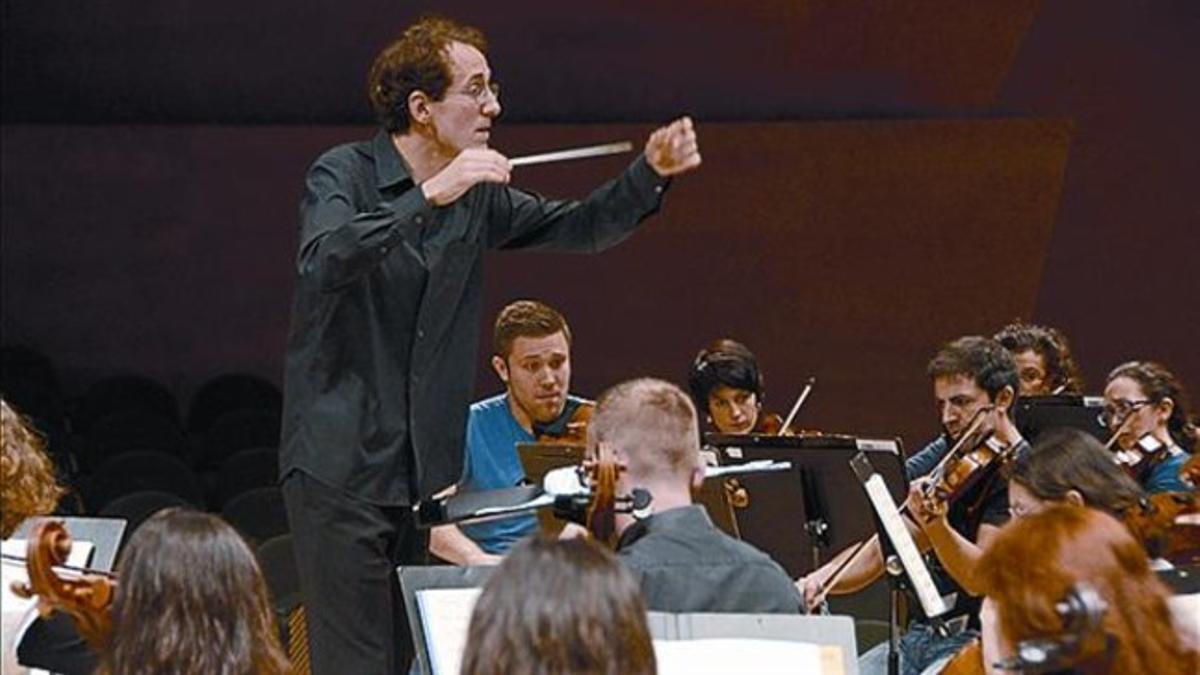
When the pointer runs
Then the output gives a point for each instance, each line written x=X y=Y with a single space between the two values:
x=463 y=118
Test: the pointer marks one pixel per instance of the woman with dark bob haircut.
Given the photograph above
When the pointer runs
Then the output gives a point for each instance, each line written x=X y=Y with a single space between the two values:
x=557 y=607
x=1034 y=564
x=191 y=599
x=727 y=387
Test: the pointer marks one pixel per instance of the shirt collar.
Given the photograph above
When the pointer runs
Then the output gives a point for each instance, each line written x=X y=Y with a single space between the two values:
x=692 y=515
x=390 y=167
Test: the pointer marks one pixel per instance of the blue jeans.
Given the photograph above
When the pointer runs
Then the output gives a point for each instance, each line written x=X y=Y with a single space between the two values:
x=921 y=650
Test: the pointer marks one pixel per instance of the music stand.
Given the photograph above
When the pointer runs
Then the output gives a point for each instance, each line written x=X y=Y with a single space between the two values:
x=540 y=458
x=1038 y=414
x=821 y=493
x=419 y=578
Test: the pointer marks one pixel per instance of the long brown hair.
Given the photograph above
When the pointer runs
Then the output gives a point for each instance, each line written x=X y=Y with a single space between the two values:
x=1062 y=460
x=27 y=483
x=1035 y=561
x=558 y=607
x=191 y=599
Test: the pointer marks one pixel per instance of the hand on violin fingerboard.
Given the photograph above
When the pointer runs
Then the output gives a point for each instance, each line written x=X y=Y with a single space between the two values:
x=924 y=509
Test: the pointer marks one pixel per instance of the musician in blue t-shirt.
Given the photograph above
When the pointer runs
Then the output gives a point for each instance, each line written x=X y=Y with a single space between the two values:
x=532 y=358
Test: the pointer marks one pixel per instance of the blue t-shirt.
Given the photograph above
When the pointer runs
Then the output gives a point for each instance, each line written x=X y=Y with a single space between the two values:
x=1164 y=476
x=492 y=464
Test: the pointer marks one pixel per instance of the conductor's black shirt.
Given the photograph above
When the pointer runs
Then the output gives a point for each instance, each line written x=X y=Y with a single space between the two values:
x=386 y=314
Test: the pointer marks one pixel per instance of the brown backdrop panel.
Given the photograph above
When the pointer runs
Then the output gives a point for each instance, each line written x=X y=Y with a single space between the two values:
x=847 y=251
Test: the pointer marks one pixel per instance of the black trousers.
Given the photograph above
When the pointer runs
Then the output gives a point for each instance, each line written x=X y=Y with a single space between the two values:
x=346 y=554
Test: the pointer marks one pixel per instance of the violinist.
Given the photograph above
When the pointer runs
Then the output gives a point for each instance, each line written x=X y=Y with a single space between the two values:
x=559 y=608
x=727 y=387
x=1044 y=360
x=1067 y=466
x=1070 y=466
x=1144 y=399
x=1038 y=562
x=975 y=384
x=28 y=488
x=682 y=561
x=532 y=357
x=191 y=599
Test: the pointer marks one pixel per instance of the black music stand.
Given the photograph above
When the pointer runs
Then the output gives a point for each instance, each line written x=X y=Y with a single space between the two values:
x=1038 y=414
x=821 y=492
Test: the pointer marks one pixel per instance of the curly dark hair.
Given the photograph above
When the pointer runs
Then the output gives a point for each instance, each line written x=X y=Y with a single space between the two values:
x=1049 y=343
x=1158 y=383
x=28 y=486
x=415 y=61
x=192 y=599
x=557 y=607
x=985 y=361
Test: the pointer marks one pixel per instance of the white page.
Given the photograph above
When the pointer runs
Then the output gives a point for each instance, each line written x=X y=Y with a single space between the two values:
x=721 y=656
x=445 y=617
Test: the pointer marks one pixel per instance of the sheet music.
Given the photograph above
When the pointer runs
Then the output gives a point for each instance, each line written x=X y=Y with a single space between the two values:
x=736 y=655
x=906 y=548
x=446 y=617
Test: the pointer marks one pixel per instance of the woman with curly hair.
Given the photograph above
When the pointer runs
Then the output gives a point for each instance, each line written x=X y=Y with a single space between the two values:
x=1037 y=562
x=28 y=486
x=1044 y=360
x=191 y=600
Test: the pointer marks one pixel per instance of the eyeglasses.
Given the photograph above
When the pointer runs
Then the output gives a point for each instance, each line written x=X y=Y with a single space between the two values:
x=1115 y=413
x=479 y=91
x=1022 y=510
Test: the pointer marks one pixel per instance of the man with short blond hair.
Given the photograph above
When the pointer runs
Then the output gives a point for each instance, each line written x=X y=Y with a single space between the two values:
x=682 y=561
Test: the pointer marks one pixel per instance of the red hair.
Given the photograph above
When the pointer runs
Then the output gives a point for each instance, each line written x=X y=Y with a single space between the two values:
x=1035 y=561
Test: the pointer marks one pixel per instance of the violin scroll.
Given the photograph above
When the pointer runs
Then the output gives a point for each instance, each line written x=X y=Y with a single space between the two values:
x=87 y=598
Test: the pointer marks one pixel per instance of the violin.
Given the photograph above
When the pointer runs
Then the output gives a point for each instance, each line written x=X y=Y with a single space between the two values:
x=967 y=661
x=1169 y=522
x=570 y=427
x=771 y=424
x=87 y=598
x=954 y=474
x=1136 y=460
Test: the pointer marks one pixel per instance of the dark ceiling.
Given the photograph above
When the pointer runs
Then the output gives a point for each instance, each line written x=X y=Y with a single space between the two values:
x=287 y=62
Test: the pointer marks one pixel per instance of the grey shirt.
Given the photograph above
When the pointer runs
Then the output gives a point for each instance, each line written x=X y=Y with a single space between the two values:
x=685 y=564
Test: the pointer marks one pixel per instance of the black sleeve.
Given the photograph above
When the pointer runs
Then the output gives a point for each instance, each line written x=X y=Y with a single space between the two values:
x=55 y=645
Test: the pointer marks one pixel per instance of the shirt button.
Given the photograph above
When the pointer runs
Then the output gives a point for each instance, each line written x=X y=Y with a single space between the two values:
x=383 y=249
x=419 y=219
x=420 y=334
x=658 y=189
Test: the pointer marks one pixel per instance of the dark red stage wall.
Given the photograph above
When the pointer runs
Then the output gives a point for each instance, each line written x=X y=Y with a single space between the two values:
x=847 y=251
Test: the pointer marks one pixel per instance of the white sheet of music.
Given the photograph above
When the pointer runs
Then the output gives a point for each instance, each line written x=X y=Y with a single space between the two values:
x=720 y=656
x=906 y=548
x=446 y=617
